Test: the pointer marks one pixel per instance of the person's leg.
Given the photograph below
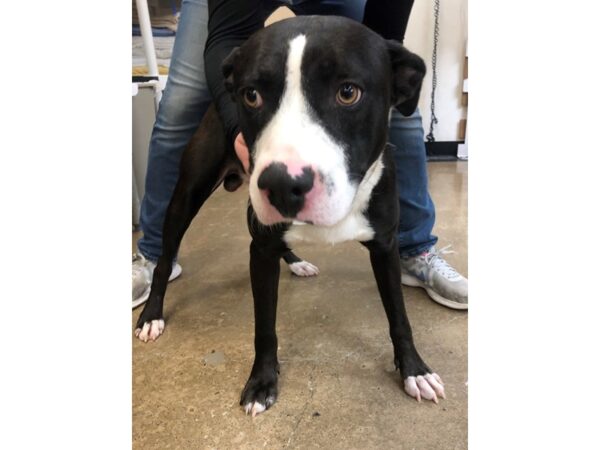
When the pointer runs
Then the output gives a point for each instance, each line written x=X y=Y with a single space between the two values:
x=185 y=100
x=417 y=212
x=422 y=265
x=183 y=104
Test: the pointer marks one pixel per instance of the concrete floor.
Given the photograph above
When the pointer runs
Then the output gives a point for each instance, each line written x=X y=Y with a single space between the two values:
x=337 y=387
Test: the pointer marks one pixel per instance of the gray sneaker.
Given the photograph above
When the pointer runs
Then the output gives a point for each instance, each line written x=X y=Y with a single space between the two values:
x=431 y=272
x=141 y=277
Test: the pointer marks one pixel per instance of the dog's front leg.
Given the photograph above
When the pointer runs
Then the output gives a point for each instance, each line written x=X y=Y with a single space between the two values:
x=419 y=379
x=260 y=391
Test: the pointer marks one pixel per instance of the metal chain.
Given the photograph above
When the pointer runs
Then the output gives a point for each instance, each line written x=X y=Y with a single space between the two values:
x=436 y=32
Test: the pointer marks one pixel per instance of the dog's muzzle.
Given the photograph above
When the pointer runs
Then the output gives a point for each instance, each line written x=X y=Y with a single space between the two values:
x=293 y=190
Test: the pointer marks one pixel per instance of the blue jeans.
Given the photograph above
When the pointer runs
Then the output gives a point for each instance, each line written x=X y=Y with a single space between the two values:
x=417 y=212
x=186 y=98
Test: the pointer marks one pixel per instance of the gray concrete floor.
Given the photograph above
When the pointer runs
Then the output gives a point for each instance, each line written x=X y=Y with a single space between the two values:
x=337 y=387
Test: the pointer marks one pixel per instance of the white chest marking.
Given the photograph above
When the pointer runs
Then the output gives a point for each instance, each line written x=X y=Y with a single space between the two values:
x=353 y=227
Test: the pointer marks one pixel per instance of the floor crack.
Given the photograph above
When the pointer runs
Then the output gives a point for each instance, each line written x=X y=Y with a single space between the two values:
x=306 y=404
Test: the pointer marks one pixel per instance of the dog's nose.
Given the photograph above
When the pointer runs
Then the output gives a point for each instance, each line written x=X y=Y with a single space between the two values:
x=286 y=192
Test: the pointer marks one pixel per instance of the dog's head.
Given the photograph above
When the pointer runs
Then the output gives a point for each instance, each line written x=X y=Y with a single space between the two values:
x=313 y=96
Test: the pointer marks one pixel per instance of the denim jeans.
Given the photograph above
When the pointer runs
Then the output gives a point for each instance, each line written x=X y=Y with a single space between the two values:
x=417 y=212
x=186 y=98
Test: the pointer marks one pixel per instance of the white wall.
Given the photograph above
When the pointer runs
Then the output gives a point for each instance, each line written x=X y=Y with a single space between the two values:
x=450 y=61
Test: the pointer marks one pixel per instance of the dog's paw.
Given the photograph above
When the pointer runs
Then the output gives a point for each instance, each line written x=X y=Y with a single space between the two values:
x=258 y=395
x=428 y=386
x=150 y=330
x=256 y=407
x=304 y=269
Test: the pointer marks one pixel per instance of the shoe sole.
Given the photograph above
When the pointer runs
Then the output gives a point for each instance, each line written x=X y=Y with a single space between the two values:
x=411 y=281
x=141 y=299
x=175 y=273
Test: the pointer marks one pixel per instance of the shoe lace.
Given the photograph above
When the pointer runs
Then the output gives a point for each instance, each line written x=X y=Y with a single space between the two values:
x=434 y=260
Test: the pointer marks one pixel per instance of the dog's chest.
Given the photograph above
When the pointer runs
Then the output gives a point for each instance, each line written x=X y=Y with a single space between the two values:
x=354 y=227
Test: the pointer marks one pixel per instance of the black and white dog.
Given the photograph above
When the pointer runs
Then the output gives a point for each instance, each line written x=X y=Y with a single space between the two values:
x=313 y=97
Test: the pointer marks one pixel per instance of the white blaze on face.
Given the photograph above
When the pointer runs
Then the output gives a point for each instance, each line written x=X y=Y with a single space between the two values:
x=294 y=138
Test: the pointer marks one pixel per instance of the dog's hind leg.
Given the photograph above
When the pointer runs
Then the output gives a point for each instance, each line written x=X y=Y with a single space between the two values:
x=185 y=203
x=298 y=266
x=204 y=164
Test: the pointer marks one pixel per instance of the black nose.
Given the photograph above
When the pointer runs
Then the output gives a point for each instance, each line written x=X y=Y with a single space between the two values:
x=286 y=193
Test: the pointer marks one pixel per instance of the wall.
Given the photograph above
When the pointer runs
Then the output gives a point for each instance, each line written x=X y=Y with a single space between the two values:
x=450 y=61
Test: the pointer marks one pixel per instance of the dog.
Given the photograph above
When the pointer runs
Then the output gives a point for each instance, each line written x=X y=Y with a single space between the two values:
x=313 y=96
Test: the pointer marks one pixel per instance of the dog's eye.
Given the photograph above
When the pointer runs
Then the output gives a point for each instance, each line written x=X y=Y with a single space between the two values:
x=348 y=94
x=252 y=98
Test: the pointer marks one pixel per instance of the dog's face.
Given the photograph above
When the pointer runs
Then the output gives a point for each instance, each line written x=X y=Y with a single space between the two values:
x=313 y=96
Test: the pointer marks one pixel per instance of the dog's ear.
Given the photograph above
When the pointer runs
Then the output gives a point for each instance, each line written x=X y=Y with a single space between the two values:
x=408 y=71
x=227 y=68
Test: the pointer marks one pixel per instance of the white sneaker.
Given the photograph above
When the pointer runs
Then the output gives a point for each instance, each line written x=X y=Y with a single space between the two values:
x=441 y=281
x=141 y=277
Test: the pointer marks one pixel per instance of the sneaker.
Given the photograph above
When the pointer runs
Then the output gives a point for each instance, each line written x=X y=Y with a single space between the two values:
x=141 y=277
x=431 y=272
